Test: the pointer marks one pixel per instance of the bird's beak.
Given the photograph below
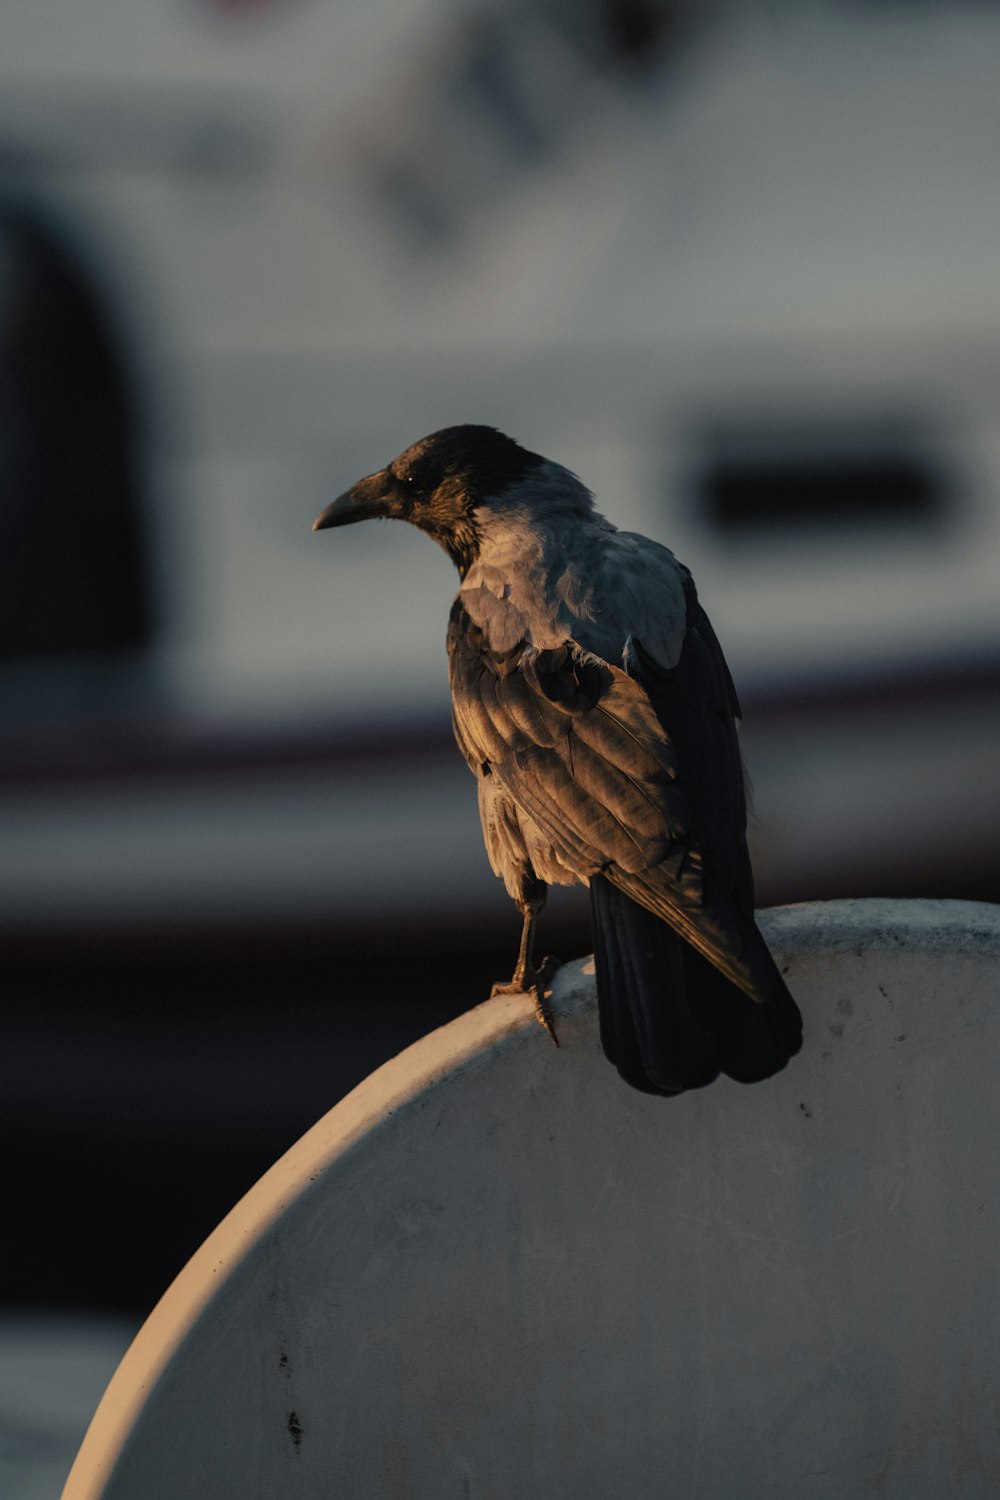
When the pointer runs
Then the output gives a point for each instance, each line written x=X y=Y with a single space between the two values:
x=362 y=502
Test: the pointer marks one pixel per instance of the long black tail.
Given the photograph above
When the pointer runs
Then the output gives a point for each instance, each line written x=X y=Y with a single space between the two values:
x=670 y=1020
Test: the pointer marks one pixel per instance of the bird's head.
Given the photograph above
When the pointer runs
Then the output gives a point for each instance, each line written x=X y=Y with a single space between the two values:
x=439 y=484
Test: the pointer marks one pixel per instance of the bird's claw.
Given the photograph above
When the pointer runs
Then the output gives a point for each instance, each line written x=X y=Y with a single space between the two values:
x=543 y=1015
x=532 y=982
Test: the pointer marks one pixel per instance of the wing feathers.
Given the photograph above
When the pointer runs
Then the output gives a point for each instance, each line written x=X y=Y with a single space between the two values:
x=581 y=753
x=707 y=925
x=575 y=744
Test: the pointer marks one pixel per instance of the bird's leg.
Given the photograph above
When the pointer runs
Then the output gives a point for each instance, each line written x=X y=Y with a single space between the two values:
x=527 y=980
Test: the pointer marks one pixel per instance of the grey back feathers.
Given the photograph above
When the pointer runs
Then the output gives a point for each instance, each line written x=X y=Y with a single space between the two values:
x=549 y=567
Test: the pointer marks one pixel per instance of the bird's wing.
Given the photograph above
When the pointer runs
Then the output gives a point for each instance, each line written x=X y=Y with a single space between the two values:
x=696 y=705
x=573 y=742
x=639 y=590
x=578 y=746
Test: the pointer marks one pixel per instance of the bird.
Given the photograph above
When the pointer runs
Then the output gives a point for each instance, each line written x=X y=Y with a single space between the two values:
x=593 y=704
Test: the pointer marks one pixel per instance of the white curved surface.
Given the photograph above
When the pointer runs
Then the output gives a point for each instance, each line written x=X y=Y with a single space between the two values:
x=494 y=1270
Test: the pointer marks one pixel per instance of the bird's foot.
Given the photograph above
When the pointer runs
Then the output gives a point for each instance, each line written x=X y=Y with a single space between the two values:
x=530 y=981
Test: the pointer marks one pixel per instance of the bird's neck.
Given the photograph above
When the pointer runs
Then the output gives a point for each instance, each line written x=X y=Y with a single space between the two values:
x=462 y=542
x=528 y=581
x=547 y=515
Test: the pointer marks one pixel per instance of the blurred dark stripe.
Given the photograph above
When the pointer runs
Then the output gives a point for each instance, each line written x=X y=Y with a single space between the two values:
x=63 y=756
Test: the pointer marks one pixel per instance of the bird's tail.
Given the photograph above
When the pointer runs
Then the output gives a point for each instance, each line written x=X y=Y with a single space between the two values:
x=670 y=1020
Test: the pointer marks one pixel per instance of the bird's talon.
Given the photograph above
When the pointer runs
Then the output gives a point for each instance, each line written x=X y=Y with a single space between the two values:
x=533 y=985
x=543 y=1015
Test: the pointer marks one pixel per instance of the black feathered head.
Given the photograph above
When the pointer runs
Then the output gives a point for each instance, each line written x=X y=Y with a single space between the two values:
x=437 y=484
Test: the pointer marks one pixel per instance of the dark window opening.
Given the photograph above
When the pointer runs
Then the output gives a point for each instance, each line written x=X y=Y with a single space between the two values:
x=772 y=489
x=73 y=569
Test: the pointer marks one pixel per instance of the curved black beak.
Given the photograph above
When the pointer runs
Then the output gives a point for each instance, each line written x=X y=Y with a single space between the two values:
x=364 y=501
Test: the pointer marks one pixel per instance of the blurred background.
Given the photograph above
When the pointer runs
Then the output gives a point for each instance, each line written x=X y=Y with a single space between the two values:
x=736 y=264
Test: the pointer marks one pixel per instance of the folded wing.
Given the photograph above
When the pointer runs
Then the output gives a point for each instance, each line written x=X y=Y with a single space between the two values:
x=579 y=749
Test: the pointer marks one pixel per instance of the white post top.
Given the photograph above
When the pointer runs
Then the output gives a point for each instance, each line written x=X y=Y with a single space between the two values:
x=493 y=1270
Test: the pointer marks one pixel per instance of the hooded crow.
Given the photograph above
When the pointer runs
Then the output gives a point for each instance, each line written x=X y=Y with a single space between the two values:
x=594 y=706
